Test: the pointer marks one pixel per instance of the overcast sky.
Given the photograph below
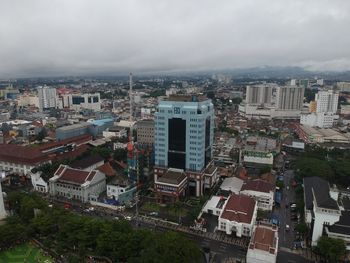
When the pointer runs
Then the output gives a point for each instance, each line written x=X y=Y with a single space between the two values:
x=71 y=37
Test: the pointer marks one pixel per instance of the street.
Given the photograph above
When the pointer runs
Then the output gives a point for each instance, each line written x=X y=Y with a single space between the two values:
x=286 y=237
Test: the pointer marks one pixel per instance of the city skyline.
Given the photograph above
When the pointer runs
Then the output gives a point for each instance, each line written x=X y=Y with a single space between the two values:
x=85 y=37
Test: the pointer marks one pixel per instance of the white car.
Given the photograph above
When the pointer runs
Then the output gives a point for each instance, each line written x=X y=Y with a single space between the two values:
x=127 y=218
x=287 y=227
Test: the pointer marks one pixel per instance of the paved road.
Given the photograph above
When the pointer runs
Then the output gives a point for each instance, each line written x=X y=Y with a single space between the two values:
x=286 y=238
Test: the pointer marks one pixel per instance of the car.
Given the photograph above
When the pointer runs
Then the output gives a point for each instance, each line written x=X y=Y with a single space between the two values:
x=127 y=218
x=287 y=227
x=116 y=218
x=154 y=214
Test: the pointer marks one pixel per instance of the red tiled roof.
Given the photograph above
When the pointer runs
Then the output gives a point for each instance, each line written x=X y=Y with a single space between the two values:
x=239 y=208
x=258 y=185
x=21 y=154
x=77 y=140
x=107 y=169
x=74 y=176
x=72 y=154
x=264 y=239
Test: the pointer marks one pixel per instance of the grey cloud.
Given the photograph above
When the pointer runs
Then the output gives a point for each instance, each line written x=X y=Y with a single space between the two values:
x=67 y=37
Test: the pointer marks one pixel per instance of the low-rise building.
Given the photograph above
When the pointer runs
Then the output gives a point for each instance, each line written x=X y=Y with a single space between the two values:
x=321 y=206
x=88 y=163
x=115 y=132
x=238 y=215
x=120 y=190
x=170 y=184
x=263 y=245
x=77 y=184
x=263 y=192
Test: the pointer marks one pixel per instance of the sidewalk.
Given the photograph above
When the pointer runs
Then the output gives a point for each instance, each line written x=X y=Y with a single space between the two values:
x=221 y=236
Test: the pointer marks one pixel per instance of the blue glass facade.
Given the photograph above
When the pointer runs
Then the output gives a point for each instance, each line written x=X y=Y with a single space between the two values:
x=184 y=132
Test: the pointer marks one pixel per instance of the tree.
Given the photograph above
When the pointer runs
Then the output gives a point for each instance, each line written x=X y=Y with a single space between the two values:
x=120 y=154
x=103 y=151
x=306 y=166
x=41 y=135
x=301 y=228
x=333 y=249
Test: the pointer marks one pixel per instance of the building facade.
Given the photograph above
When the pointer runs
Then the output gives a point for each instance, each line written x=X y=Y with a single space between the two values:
x=47 y=97
x=77 y=184
x=263 y=246
x=289 y=97
x=184 y=133
x=238 y=215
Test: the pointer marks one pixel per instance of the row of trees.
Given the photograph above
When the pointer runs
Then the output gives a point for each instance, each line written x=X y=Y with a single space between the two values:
x=78 y=236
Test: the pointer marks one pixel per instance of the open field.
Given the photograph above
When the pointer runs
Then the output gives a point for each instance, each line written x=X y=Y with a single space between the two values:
x=24 y=253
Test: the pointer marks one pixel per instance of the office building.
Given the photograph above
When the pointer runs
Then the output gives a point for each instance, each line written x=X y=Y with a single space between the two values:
x=145 y=132
x=81 y=101
x=289 y=98
x=184 y=133
x=47 y=97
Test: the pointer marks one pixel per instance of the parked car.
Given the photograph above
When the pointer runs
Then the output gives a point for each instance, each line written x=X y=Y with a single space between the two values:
x=154 y=214
x=287 y=227
x=127 y=218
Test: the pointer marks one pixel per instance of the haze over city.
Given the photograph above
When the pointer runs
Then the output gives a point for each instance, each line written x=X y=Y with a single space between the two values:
x=51 y=38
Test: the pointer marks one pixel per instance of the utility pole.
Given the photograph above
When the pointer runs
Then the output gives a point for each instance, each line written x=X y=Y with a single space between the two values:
x=134 y=151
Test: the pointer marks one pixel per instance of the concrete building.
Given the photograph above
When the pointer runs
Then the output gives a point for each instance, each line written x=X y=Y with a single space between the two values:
x=77 y=184
x=262 y=191
x=184 y=133
x=74 y=130
x=289 y=98
x=82 y=101
x=115 y=132
x=88 y=163
x=238 y=215
x=263 y=246
x=319 y=135
x=28 y=100
x=343 y=86
x=20 y=159
x=259 y=94
x=145 y=132
x=325 y=113
x=47 y=97
x=119 y=189
x=321 y=205
x=39 y=184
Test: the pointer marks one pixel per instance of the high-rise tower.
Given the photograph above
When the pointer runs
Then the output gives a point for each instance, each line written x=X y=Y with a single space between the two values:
x=184 y=133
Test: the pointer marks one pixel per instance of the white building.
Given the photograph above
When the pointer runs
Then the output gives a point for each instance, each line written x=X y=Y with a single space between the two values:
x=263 y=192
x=321 y=120
x=263 y=246
x=39 y=183
x=344 y=86
x=214 y=205
x=77 y=184
x=81 y=101
x=238 y=215
x=47 y=97
x=115 y=132
x=326 y=109
x=321 y=205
